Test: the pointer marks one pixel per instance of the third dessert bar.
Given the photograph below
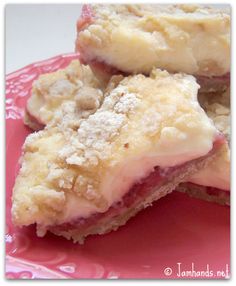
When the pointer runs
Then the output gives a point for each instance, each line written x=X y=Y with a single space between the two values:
x=178 y=38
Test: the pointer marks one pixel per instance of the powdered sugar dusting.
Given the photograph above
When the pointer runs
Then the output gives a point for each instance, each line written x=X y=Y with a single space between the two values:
x=94 y=139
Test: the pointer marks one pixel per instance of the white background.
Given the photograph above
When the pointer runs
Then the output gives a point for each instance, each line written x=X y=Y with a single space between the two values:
x=38 y=32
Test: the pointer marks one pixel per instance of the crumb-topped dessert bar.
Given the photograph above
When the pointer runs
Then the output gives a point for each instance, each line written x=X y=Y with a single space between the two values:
x=194 y=39
x=52 y=92
x=217 y=106
x=94 y=172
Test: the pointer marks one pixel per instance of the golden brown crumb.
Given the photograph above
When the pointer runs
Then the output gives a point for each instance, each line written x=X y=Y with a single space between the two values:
x=88 y=98
x=217 y=107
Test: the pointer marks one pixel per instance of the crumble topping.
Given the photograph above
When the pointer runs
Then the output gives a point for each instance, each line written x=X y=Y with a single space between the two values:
x=127 y=103
x=29 y=140
x=88 y=98
x=93 y=140
x=60 y=177
x=217 y=107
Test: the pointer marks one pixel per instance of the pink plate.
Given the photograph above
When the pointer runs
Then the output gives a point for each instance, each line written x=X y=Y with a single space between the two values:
x=179 y=237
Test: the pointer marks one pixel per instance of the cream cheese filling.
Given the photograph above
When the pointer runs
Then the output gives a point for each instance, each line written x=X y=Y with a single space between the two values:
x=215 y=175
x=121 y=178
